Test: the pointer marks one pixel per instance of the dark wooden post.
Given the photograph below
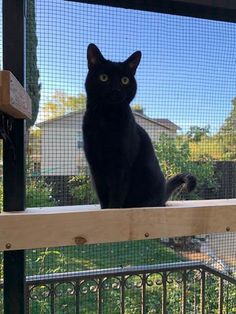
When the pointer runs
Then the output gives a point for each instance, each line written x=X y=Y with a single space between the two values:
x=13 y=162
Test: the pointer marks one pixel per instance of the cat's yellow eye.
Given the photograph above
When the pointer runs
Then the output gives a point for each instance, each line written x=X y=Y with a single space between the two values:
x=125 y=80
x=103 y=77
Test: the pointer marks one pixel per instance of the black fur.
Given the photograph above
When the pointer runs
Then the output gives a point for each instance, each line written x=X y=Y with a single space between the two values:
x=122 y=161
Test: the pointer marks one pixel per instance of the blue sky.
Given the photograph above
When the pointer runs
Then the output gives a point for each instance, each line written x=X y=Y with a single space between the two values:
x=188 y=68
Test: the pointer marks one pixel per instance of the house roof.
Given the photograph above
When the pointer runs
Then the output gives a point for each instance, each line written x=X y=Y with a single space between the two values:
x=168 y=123
x=165 y=123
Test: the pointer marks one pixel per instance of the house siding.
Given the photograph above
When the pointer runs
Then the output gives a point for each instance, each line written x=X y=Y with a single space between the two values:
x=60 y=155
x=153 y=129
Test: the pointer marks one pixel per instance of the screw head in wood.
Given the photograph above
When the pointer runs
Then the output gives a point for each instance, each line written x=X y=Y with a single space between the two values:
x=80 y=240
x=8 y=246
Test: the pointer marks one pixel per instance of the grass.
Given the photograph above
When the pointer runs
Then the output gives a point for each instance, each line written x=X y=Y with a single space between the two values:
x=98 y=256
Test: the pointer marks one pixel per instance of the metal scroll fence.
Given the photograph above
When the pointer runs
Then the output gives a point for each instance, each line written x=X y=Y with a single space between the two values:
x=179 y=288
x=148 y=276
x=179 y=275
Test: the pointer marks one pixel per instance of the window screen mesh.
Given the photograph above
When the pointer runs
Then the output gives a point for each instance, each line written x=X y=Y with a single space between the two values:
x=186 y=100
x=153 y=276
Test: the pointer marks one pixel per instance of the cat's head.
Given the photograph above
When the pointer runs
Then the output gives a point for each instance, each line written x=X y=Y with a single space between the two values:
x=111 y=82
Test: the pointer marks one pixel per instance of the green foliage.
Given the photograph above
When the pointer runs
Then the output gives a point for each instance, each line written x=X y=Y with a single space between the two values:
x=137 y=108
x=227 y=134
x=123 y=255
x=196 y=133
x=95 y=256
x=38 y=194
x=62 y=104
x=32 y=73
x=208 y=146
x=175 y=157
x=82 y=190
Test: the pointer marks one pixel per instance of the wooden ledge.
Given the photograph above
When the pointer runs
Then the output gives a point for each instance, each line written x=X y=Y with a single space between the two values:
x=76 y=225
x=14 y=100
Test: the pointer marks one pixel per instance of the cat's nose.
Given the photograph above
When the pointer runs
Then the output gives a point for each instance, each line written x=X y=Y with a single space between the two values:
x=115 y=86
x=115 y=93
x=116 y=89
x=115 y=96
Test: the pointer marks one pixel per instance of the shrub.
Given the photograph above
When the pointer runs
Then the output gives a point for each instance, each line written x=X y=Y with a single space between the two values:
x=175 y=157
x=38 y=193
x=82 y=190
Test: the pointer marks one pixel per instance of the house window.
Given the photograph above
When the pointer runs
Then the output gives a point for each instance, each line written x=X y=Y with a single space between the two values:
x=79 y=140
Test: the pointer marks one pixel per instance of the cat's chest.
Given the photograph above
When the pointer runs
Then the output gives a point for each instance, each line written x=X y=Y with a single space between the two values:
x=107 y=135
x=108 y=127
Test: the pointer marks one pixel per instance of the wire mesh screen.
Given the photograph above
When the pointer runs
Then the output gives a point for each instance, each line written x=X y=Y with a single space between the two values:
x=186 y=103
x=185 y=98
x=148 y=276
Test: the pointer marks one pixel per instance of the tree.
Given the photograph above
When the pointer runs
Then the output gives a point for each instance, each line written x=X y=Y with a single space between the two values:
x=32 y=73
x=176 y=157
x=137 y=108
x=62 y=104
x=227 y=134
x=196 y=133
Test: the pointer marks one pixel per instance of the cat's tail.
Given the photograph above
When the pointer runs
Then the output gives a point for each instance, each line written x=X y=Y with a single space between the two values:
x=186 y=181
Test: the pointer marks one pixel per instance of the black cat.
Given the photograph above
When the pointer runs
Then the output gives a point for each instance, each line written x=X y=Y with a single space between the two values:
x=122 y=161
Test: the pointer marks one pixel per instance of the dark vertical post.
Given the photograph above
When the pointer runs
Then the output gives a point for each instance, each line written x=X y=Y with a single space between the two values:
x=203 y=291
x=52 y=292
x=221 y=295
x=143 y=295
x=122 y=310
x=184 y=291
x=99 y=295
x=13 y=166
x=77 y=297
x=164 y=293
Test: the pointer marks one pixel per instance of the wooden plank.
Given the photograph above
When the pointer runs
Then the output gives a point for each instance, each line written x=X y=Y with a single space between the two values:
x=168 y=6
x=61 y=226
x=14 y=100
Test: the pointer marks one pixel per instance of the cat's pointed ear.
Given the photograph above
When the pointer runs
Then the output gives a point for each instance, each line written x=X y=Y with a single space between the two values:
x=94 y=55
x=133 y=61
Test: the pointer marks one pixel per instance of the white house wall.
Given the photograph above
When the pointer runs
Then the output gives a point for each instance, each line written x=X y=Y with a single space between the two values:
x=153 y=129
x=60 y=154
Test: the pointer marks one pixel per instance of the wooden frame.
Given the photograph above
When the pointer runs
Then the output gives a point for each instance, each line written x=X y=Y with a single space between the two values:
x=208 y=9
x=14 y=100
x=228 y=4
x=75 y=225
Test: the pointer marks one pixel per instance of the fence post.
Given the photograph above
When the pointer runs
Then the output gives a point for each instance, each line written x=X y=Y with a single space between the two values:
x=13 y=160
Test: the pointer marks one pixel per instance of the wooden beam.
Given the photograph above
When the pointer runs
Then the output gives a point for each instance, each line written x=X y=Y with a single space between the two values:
x=61 y=226
x=207 y=9
x=14 y=100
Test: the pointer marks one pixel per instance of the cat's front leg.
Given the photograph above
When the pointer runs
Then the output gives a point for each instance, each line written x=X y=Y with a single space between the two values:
x=118 y=189
x=101 y=188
